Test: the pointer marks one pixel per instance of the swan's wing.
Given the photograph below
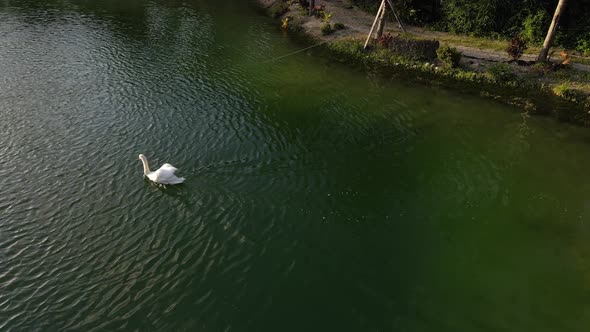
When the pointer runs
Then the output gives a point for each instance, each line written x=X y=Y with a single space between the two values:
x=166 y=175
x=169 y=167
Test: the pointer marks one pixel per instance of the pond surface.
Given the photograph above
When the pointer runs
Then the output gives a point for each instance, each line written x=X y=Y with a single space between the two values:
x=318 y=197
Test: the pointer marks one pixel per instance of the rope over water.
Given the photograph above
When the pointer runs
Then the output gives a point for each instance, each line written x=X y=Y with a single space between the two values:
x=299 y=51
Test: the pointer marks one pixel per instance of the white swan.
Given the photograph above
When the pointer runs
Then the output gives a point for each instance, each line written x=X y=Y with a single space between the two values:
x=164 y=175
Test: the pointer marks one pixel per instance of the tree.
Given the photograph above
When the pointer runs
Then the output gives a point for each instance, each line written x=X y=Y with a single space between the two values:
x=551 y=33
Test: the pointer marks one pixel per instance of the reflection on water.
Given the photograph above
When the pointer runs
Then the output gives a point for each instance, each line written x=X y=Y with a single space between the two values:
x=318 y=197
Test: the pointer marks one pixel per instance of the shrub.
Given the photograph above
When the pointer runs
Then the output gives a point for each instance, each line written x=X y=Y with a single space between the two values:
x=338 y=26
x=385 y=40
x=516 y=47
x=326 y=29
x=535 y=26
x=291 y=23
x=475 y=17
x=583 y=44
x=351 y=48
x=501 y=73
x=449 y=56
x=415 y=48
x=565 y=91
x=278 y=8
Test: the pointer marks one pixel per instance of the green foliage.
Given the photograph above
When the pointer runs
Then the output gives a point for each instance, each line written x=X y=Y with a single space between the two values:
x=278 y=8
x=449 y=56
x=326 y=29
x=419 y=49
x=561 y=89
x=583 y=44
x=494 y=18
x=501 y=73
x=347 y=48
x=498 y=82
x=535 y=27
x=516 y=47
x=327 y=16
x=409 y=11
x=565 y=91
x=291 y=23
x=476 y=17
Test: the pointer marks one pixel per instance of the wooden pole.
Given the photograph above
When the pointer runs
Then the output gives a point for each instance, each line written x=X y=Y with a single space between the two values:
x=311 y=7
x=381 y=8
x=381 y=24
x=551 y=33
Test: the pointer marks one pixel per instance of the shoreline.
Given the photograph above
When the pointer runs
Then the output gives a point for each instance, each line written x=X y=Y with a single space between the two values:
x=522 y=86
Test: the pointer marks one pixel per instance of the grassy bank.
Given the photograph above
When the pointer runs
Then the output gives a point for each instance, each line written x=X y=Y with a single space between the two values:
x=498 y=82
x=550 y=89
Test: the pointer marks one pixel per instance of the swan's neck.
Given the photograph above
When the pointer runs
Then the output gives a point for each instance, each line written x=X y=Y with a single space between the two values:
x=146 y=166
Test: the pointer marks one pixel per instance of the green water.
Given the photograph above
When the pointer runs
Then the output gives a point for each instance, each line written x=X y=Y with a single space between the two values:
x=318 y=197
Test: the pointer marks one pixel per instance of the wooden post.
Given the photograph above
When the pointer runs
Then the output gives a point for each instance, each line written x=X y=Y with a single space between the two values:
x=551 y=33
x=311 y=6
x=381 y=24
x=381 y=8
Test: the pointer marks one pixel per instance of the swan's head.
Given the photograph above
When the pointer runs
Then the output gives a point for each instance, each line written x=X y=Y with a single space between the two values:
x=141 y=157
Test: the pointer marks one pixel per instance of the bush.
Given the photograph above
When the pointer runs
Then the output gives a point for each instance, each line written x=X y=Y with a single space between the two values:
x=501 y=73
x=278 y=8
x=291 y=23
x=326 y=29
x=516 y=47
x=338 y=26
x=385 y=40
x=351 y=48
x=565 y=91
x=475 y=17
x=415 y=48
x=583 y=44
x=449 y=56
x=535 y=26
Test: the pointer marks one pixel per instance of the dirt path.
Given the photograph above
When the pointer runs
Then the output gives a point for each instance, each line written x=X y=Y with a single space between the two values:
x=358 y=23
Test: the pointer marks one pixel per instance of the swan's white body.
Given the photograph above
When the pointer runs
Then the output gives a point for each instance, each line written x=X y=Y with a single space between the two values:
x=164 y=175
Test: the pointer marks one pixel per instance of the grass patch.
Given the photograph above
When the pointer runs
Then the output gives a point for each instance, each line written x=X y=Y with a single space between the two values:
x=501 y=73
